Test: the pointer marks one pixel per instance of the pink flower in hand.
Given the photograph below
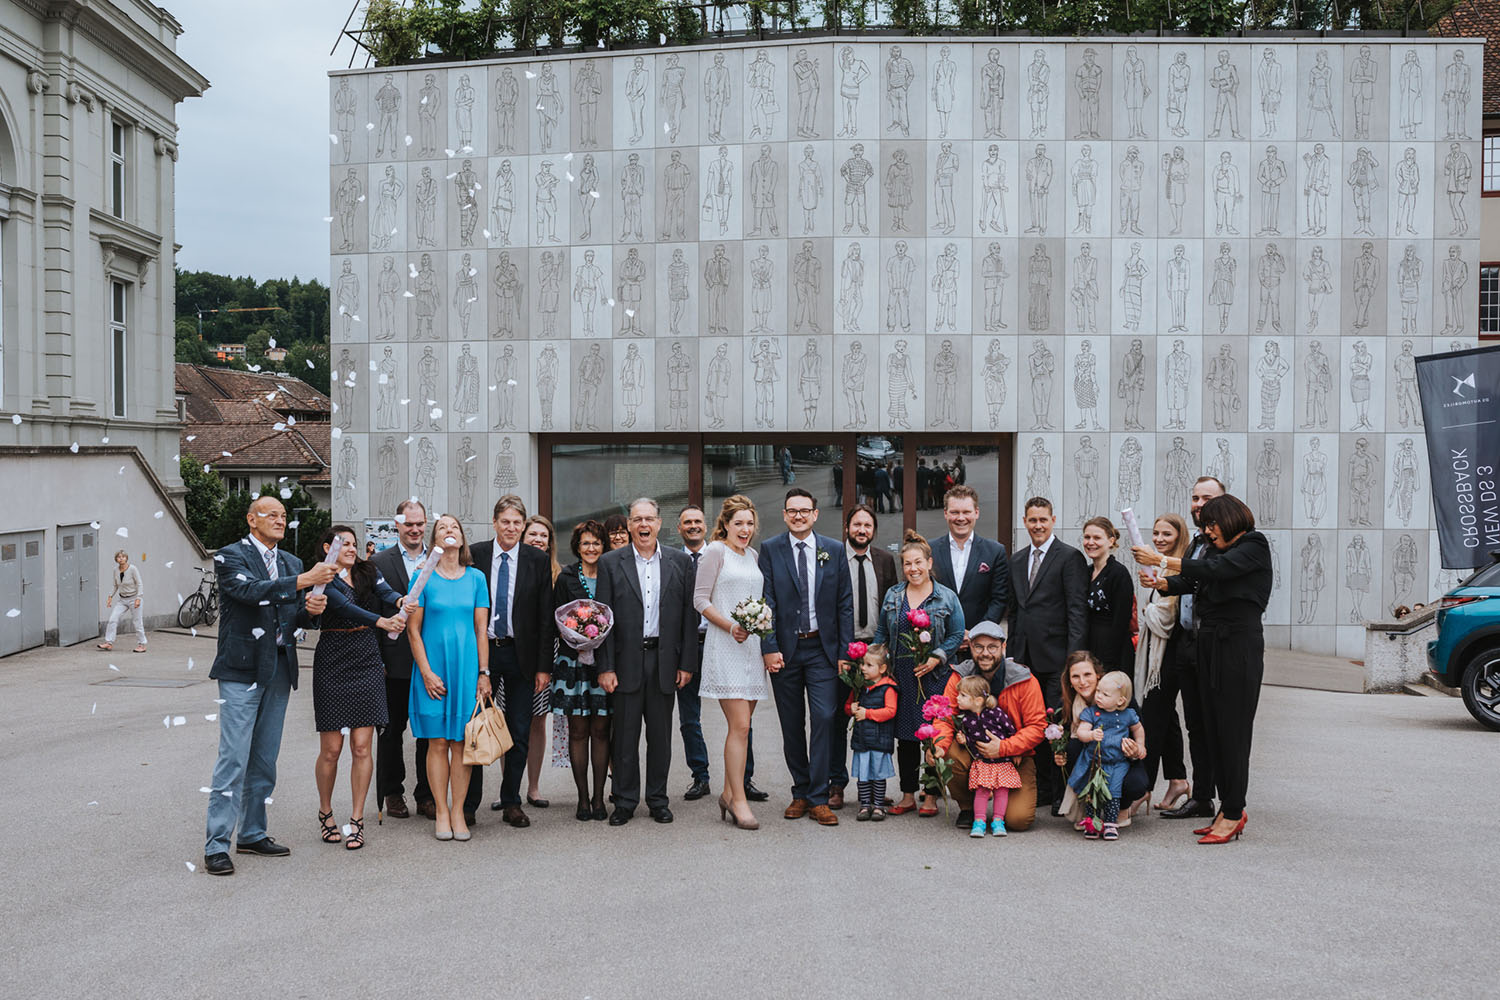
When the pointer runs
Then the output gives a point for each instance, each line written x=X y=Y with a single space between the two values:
x=924 y=636
x=926 y=732
x=918 y=618
x=1052 y=732
x=857 y=650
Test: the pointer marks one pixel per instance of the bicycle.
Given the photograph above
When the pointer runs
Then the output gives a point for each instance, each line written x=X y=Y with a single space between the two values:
x=203 y=604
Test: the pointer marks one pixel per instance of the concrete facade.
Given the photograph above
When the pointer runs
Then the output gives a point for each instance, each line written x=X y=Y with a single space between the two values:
x=1147 y=259
x=88 y=146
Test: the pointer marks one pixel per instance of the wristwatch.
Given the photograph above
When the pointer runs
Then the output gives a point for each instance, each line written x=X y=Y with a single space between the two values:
x=484 y=673
x=1163 y=560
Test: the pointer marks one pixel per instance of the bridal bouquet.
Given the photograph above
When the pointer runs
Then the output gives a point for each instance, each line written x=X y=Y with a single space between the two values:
x=583 y=624
x=754 y=616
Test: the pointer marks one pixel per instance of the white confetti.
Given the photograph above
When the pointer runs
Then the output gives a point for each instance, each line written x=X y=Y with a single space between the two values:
x=177 y=457
x=335 y=139
x=437 y=412
x=309 y=363
x=122 y=470
x=601 y=43
x=279 y=426
x=327 y=218
x=264 y=604
x=13 y=613
x=408 y=140
x=94 y=525
x=344 y=731
x=286 y=494
x=179 y=597
x=105 y=439
x=593 y=194
x=348 y=829
x=663 y=39
x=471 y=457
x=400 y=519
x=96 y=802
x=73 y=447
x=194 y=631
x=114 y=668
x=190 y=663
x=253 y=684
x=293 y=524
x=94 y=709
x=530 y=75
x=192 y=437
x=207 y=468
x=567 y=157
x=336 y=432
x=166 y=720
x=122 y=531
x=256 y=368
x=409 y=439
x=257 y=632
x=15 y=418
x=291 y=421
x=449 y=152
x=282 y=479
x=191 y=867
x=226 y=454
x=227 y=795
x=212 y=718
x=205 y=790
x=169 y=566
x=159 y=514
x=369 y=126
x=179 y=720
x=218 y=701
x=268 y=800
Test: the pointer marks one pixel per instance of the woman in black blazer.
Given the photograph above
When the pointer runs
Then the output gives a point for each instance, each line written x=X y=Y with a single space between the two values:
x=1111 y=599
x=1233 y=586
x=574 y=692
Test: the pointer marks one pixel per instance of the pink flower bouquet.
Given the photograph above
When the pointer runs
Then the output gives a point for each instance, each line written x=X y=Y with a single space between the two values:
x=583 y=625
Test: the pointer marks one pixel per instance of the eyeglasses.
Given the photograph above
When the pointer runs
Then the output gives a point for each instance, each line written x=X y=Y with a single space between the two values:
x=798 y=511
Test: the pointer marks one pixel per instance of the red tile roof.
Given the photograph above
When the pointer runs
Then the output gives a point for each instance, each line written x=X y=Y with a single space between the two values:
x=1478 y=19
x=265 y=421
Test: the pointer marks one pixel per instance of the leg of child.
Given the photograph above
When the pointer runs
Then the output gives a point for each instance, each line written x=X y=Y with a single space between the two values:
x=866 y=793
x=1002 y=799
x=982 y=804
x=877 y=794
x=1112 y=811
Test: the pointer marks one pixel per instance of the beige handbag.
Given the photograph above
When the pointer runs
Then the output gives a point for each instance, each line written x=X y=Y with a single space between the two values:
x=486 y=738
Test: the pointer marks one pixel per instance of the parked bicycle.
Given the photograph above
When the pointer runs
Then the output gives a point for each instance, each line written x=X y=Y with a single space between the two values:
x=203 y=604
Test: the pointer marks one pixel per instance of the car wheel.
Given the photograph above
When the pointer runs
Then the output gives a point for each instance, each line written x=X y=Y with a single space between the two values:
x=1481 y=687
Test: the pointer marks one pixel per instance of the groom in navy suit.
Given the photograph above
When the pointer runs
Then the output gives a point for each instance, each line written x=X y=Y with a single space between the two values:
x=812 y=606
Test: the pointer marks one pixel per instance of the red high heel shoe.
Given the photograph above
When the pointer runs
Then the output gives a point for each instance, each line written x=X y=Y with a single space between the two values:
x=1231 y=835
x=1210 y=827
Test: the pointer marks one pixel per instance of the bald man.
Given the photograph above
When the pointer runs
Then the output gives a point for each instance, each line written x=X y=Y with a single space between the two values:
x=261 y=605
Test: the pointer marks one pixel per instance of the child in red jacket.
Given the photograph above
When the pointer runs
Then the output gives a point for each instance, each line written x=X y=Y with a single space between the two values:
x=874 y=739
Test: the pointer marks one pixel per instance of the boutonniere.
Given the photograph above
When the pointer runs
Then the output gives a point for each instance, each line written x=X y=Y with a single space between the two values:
x=822 y=556
x=984 y=567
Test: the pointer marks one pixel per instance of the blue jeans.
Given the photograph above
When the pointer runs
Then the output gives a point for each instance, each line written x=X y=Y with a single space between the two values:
x=245 y=774
x=690 y=723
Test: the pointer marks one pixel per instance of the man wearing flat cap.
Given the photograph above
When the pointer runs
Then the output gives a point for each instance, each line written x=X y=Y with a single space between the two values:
x=1019 y=694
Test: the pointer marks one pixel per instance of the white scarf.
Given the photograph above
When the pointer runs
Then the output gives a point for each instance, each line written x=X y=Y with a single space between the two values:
x=1159 y=617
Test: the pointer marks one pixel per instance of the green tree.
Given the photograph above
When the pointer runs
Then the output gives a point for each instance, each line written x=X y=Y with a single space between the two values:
x=204 y=499
x=309 y=362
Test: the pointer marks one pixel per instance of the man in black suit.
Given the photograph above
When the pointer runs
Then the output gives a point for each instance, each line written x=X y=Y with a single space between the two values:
x=400 y=564
x=872 y=571
x=973 y=567
x=650 y=653
x=1049 y=581
x=519 y=578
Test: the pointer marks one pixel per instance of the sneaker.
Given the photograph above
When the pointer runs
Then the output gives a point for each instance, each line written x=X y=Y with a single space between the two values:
x=977 y=830
x=997 y=827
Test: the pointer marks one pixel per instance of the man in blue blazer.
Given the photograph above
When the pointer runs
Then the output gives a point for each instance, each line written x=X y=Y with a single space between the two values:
x=260 y=608
x=975 y=568
x=812 y=607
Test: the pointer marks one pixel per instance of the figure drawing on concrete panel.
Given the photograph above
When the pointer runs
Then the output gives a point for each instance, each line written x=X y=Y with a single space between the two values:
x=899 y=75
x=718 y=90
x=506 y=480
x=1224 y=81
x=1038 y=92
x=1221 y=291
x=387 y=291
x=388 y=108
x=1268 y=77
x=346 y=292
x=855 y=366
x=589 y=291
x=1041 y=366
x=1221 y=377
x=1409 y=409
x=1317 y=375
x=807 y=284
x=679 y=379
x=992 y=212
x=551 y=273
x=468 y=478
x=1179 y=78
x=673 y=98
x=805 y=74
x=1406 y=481
x=853 y=72
x=1132 y=172
x=546 y=384
x=992 y=95
x=426 y=412
x=590 y=377
x=810 y=383
x=1357 y=577
x=1086 y=476
x=1310 y=578
x=345 y=107
x=1179 y=472
x=995 y=366
x=1088 y=80
x=386 y=468
x=388 y=387
x=851 y=288
x=995 y=275
x=716 y=387
x=764 y=357
x=900 y=382
x=1409 y=109
x=676 y=178
x=1128 y=473
x=507 y=101
x=1270 y=369
x=1132 y=384
x=1271 y=174
x=1456 y=97
x=507 y=377
x=1319 y=105
x=1038 y=469
x=1315 y=482
x=1086 y=387
x=945 y=378
x=346 y=201
x=503 y=209
x=587 y=89
x=632 y=383
x=348 y=470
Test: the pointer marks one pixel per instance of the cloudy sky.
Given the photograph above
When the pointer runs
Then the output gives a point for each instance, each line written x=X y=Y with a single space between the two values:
x=254 y=149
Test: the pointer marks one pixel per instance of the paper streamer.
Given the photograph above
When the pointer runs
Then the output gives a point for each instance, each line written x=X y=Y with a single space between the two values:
x=416 y=588
x=1134 y=528
x=331 y=559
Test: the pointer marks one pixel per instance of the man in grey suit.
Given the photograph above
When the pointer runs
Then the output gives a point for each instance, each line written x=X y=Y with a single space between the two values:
x=260 y=606
x=1049 y=581
x=399 y=565
x=651 y=651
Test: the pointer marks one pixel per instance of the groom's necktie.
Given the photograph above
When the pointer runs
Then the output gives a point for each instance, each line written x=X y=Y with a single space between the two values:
x=804 y=609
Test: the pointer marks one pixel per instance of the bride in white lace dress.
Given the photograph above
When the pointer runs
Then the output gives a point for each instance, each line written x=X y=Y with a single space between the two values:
x=733 y=672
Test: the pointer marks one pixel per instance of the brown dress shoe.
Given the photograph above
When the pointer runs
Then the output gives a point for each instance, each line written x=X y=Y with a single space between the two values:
x=395 y=807
x=824 y=816
x=835 y=798
x=515 y=817
x=428 y=809
x=797 y=809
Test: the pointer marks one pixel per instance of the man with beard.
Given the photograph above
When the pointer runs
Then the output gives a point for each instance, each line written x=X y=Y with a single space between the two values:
x=872 y=571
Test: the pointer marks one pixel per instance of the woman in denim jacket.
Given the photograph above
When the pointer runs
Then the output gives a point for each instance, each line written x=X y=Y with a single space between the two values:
x=917 y=681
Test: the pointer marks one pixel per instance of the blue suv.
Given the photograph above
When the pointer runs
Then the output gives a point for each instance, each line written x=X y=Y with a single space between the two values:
x=1466 y=653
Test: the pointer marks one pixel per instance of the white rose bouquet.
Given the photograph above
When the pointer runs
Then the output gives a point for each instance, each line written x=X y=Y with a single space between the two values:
x=754 y=616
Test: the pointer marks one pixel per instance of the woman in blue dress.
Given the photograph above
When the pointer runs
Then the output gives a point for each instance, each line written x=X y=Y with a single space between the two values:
x=447 y=631
x=917 y=681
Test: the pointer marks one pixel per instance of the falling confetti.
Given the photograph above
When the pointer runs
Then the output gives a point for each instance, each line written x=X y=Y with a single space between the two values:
x=169 y=566
x=333 y=138
x=73 y=447
x=13 y=613
x=286 y=494
x=408 y=140
x=309 y=363
x=530 y=75
x=190 y=660
x=114 y=668
x=159 y=514
x=191 y=867
x=104 y=440
x=205 y=790
x=335 y=432
x=122 y=531
x=94 y=709
x=94 y=525
x=257 y=632
x=15 y=418
x=279 y=426
x=268 y=800
x=179 y=720
x=212 y=718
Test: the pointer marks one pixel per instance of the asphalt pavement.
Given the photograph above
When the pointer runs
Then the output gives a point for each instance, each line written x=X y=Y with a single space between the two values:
x=1365 y=871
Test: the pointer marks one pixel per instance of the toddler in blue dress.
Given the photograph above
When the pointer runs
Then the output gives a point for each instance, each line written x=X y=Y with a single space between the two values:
x=1107 y=722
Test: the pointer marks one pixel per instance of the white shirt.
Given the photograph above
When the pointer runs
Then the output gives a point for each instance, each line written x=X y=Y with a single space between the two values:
x=510 y=592
x=1033 y=550
x=872 y=590
x=810 y=584
x=960 y=559
x=648 y=572
x=262 y=550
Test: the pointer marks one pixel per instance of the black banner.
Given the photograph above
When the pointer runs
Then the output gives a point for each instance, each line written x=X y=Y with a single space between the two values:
x=1461 y=410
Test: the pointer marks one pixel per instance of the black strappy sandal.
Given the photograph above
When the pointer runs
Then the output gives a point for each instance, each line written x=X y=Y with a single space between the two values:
x=356 y=838
x=330 y=831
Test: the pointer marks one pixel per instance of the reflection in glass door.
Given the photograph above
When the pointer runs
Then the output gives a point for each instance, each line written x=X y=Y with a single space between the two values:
x=764 y=472
x=596 y=480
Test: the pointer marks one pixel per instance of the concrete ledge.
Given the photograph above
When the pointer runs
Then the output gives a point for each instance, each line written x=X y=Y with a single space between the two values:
x=1291 y=668
x=1396 y=650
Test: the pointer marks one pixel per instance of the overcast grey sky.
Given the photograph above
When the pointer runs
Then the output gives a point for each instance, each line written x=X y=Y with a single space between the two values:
x=252 y=176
